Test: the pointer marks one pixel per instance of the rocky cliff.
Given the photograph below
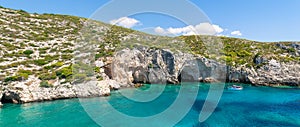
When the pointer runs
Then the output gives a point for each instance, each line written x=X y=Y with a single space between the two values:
x=144 y=65
x=22 y=92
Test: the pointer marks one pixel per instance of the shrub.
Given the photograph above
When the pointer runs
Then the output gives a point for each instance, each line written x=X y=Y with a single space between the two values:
x=244 y=53
x=66 y=57
x=48 y=67
x=58 y=64
x=33 y=45
x=28 y=52
x=97 y=69
x=10 y=46
x=1 y=59
x=65 y=72
x=12 y=78
x=47 y=76
x=291 y=50
x=22 y=76
x=40 y=62
x=45 y=84
x=100 y=78
x=67 y=51
x=150 y=65
x=79 y=78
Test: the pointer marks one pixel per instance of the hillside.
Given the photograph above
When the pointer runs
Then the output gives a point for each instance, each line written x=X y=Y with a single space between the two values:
x=41 y=49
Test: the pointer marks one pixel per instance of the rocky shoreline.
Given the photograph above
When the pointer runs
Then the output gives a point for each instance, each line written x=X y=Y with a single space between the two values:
x=145 y=65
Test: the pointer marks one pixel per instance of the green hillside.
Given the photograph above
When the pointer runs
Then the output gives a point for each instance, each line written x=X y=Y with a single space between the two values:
x=43 y=45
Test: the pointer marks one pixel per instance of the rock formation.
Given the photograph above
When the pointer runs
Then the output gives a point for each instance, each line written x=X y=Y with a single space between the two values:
x=143 y=65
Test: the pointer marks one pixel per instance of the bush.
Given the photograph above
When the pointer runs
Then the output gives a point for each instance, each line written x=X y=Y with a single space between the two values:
x=65 y=72
x=21 y=75
x=291 y=50
x=10 y=46
x=99 y=78
x=33 y=45
x=47 y=76
x=67 y=51
x=28 y=52
x=40 y=62
x=58 y=64
x=80 y=78
x=244 y=53
x=48 y=67
x=25 y=72
x=97 y=69
x=12 y=78
x=66 y=57
x=45 y=84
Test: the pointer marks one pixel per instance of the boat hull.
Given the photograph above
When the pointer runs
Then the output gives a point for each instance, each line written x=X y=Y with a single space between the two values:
x=232 y=88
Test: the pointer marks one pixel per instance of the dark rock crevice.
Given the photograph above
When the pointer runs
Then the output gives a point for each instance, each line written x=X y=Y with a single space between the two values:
x=10 y=97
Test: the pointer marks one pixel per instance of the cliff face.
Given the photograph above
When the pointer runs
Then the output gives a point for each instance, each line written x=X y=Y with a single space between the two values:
x=144 y=65
x=154 y=66
x=24 y=93
x=275 y=73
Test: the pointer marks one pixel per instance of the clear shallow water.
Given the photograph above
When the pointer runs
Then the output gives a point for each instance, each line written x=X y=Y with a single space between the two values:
x=254 y=106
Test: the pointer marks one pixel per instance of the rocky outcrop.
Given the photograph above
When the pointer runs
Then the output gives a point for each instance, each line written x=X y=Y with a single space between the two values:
x=277 y=74
x=239 y=74
x=144 y=65
x=24 y=93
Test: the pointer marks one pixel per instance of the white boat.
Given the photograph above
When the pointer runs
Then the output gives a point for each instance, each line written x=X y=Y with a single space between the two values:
x=235 y=87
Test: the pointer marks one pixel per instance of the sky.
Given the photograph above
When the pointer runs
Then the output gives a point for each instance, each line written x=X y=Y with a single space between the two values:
x=260 y=20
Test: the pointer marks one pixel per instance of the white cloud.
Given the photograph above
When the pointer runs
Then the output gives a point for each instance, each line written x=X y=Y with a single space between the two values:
x=218 y=29
x=236 y=33
x=200 y=29
x=159 y=30
x=125 y=22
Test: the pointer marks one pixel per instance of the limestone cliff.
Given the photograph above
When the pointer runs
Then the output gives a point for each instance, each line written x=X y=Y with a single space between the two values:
x=144 y=65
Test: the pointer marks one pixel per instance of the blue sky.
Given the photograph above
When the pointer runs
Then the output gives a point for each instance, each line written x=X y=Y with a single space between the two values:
x=261 y=20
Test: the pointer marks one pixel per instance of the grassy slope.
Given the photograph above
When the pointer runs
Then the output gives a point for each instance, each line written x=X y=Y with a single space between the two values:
x=24 y=34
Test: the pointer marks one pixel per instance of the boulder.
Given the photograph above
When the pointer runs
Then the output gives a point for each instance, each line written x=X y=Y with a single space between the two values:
x=88 y=89
x=112 y=84
x=275 y=73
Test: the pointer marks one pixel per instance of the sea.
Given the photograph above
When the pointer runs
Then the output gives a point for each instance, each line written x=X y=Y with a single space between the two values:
x=186 y=105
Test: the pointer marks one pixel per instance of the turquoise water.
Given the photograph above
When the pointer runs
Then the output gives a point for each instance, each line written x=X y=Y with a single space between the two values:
x=253 y=106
